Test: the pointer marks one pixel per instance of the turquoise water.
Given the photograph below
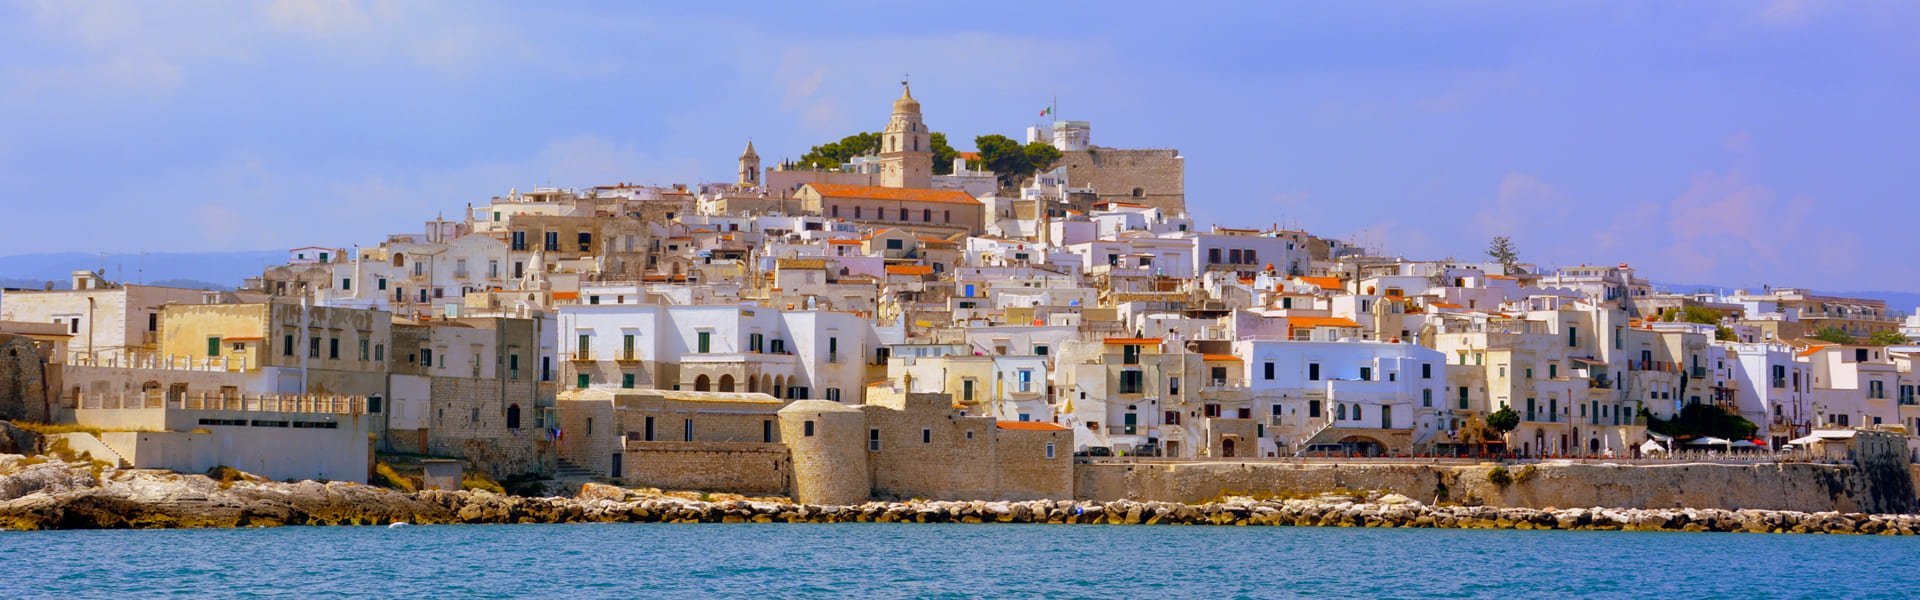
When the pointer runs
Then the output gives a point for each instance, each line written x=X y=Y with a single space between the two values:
x=895 y=560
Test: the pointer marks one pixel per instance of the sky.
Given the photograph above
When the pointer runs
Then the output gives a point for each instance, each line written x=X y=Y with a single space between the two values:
x=1733 y=143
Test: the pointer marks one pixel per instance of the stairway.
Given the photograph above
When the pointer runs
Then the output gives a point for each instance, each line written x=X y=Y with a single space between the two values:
x=568 y=476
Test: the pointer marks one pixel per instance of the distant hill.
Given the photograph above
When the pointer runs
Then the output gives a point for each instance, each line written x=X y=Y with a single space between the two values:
x=1901 y=302
x=201 y=270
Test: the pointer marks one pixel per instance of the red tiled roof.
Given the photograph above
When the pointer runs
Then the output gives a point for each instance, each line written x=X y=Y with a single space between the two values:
x=909 y=270
x=1328 y=283
x=874 y=192
x=1133 y=340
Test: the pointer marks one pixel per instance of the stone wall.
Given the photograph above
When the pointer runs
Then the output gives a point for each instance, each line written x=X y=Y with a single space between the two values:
x=469 y=420
x=24 y=384
x=1782 y=486
x=1160 y=174
x=733 y=467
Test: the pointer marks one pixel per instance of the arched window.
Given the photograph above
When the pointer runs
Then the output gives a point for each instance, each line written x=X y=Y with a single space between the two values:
x=1343 y=412
x=701 y=383
x=726 y=383
x=1139 y=192
x=399 y=260
x=513 y=416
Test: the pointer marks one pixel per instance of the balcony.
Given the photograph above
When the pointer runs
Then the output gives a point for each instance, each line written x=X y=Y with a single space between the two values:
x=1699 y=372
x=627 y=356
x=581 y=356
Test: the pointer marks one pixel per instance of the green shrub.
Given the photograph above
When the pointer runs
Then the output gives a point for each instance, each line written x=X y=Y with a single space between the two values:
x=1499 y=476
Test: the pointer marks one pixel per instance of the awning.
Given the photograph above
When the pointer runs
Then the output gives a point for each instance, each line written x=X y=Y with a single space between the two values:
x=1588 y=361
x=1652 y=446
x=1663 y=438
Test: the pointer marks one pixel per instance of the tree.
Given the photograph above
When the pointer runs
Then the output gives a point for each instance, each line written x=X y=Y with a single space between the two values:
x=1833 y=334
x=1503 y=421
x=1004 y=157
x=1703 y=420
x=833 y=154
x=1501 y=251
x=1888 y=338
x=942 y=154
x=1040 y=156
x=1724 y=334
x=1691 y=314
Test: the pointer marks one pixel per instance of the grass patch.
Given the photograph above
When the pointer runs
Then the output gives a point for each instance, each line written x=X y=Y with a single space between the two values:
x=475 y=480
x=385 y=476
x=59 y=428
x=226 y=475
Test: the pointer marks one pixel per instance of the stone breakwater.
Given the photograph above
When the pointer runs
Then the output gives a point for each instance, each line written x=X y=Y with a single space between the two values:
x=60 y=495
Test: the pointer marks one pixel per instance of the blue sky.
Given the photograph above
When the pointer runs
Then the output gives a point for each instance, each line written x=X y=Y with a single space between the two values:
x=1724 y=142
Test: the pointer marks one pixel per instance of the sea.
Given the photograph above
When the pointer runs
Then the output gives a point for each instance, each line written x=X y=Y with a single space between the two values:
x=946 y=561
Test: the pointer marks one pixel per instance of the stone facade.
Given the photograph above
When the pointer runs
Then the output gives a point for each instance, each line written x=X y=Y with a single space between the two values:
x=488 y=422
x=1155 y=177
x=24 y=382
x=731 y=467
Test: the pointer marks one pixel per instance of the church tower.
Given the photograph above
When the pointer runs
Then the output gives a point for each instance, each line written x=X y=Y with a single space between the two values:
x=749 y=167
x=906 y=151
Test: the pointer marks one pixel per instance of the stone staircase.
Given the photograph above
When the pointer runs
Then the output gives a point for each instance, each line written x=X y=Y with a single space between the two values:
x=568 y=476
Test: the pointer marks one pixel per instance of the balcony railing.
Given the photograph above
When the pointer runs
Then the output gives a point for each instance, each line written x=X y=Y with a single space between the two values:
x=583 y=355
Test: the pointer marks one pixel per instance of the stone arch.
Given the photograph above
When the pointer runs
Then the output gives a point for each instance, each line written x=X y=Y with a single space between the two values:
x=779 y=385
x=1227 y=447
x=701 y=383
x=753 y=384
x=399 y=259
x=726 y=382
x=766 y=383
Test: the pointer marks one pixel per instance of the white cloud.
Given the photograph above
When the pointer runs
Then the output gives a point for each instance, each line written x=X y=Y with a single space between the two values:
x=1522 y=203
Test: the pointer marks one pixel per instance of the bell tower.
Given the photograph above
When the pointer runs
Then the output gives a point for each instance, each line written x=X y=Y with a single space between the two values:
x=906 y=147
x=749 y=167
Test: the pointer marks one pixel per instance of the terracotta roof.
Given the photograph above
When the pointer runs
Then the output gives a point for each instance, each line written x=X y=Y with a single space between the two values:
x=909 y=270
x=566 y=295
x=1220 y=357
x=800 y=263
x=1812 y=350
x=1500 y=277
x=845 y=242
x=1133 y=340
x=1029 y=426
x=1328 y=283
x=1444 y=305
x=874 y=192
x=1312 y=322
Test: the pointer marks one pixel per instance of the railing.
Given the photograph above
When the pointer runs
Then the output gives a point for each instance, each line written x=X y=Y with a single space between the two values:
x=292 y=403
x=582 y=355
x=170 y=362
x=1125 y=430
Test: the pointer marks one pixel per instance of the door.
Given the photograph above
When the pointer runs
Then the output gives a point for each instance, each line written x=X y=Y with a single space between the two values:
x=1226 y=448
x=1132 y=420
x=615 y=470
x=1386 y=417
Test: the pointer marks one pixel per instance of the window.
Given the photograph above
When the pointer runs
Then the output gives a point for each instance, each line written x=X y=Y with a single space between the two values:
x=581 y=380
x=1040 y=350
x=553 y=241
x=286 y=345
x=366 y=349
x=153 y=321
x=626 y=346
x=1213 y=255
x=586 y=241
x=1173 y=386
x=903 y=214
x=1049 y=450
x=313 y=347
x=646 y=430
x=705 y=342
x=833 y=349
x=873 y=440
x=1426 y=370
x=346 y=284
x=833 y=394
x=1130 y=354
x=213 y=346
x=1426 y=398
x=1573 y=337
x=926 y=436
x=1553 y=370
x=626 y=380
x=686 y=430
x=966 y=390
x=1131 y=381
x=1366 y=373
x=1313 y=372
x=1463 y=397
x=766 y=431
x=380 y=352
x=519 y=240
x=896 y=244
x=1268 y=368
x=513 y=416
x=1313 y=409
x=926 y=215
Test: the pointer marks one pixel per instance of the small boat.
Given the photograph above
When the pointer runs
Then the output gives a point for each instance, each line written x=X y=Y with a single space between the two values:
x=398 y=524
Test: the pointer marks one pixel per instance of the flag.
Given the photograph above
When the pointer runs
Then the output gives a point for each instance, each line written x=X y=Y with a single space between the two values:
x=1046 y=111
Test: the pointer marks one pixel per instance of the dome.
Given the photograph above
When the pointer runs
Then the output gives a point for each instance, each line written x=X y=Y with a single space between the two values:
x=906 y=103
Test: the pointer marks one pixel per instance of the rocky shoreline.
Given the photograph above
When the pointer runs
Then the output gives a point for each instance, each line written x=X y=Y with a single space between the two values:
x=43 y=493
